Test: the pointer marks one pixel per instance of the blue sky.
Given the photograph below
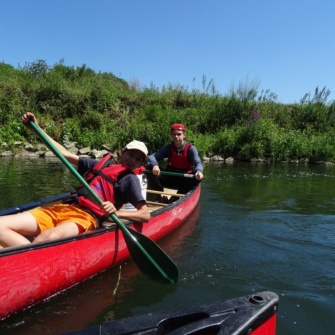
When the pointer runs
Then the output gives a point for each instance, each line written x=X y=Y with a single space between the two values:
x=285 y=46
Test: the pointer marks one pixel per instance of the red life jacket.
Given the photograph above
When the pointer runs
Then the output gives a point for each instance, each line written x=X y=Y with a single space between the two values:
x=178 y=160
x=102 y=179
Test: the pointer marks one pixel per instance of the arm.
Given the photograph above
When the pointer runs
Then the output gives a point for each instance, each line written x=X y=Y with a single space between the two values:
x=196 y=161
x=72 y=158
x=142 y=213
x=155 y=158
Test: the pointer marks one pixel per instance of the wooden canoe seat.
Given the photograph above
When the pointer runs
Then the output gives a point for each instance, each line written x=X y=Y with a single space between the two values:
x=166 y=193
x=154 y=203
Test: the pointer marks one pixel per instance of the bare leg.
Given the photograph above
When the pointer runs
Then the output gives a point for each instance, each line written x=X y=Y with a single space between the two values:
x=66 y=229
x=13 y=227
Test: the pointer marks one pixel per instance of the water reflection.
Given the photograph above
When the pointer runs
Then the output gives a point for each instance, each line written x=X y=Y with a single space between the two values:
x=293 y=188
x=25 y=180
x=257 y=227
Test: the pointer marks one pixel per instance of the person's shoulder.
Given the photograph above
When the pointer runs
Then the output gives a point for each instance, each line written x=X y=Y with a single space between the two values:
x=192 y=150
x=191 y=146
x=87 y=161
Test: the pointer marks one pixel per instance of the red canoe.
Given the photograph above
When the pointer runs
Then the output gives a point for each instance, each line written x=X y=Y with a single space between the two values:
x=32 y=273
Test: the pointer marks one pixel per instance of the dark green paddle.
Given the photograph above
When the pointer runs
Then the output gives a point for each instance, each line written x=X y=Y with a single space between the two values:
x=176 y=174
x=147 y=255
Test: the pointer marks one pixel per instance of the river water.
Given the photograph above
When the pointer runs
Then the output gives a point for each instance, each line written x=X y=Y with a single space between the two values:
x=257 y=227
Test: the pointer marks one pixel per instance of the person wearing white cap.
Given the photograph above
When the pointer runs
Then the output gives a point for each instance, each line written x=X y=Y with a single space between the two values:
x=116 y=184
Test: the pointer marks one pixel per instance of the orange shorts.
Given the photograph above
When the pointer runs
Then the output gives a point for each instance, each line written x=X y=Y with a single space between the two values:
x=55 y=215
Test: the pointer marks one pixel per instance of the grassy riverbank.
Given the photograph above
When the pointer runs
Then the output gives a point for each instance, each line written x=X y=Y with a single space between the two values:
x=78 y=104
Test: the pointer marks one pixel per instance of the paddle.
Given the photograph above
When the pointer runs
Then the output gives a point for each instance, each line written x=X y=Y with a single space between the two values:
x=176 y=174
x=147 y=255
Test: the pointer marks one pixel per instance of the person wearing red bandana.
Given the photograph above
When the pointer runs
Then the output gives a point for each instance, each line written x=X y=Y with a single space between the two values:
x=182 y=157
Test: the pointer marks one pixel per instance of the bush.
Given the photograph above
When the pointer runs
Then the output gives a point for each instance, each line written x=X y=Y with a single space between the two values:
x=98 y=109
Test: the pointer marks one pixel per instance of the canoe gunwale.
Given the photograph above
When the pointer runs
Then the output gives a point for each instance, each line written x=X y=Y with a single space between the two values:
x=98 y=231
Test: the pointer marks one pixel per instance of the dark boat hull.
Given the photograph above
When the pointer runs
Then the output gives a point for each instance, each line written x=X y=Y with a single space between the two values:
x=252 y=314
x=32 y=273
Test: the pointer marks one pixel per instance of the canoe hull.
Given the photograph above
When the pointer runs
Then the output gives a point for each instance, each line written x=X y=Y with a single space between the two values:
x=32 y=273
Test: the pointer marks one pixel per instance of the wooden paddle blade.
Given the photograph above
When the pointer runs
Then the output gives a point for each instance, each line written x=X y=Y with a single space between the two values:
x=164 y=263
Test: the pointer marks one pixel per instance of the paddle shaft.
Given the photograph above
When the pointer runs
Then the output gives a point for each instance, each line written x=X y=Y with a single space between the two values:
x=87 y=186
x=176 y=174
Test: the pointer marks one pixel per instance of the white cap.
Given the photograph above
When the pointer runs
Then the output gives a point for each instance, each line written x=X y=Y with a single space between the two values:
x=137 y=145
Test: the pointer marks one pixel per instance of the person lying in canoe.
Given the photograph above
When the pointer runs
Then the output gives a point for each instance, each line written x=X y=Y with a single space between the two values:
x=79 y=213
x=182 y=157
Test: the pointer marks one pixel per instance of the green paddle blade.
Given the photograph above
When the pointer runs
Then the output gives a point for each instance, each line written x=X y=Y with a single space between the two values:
x=166 y=271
